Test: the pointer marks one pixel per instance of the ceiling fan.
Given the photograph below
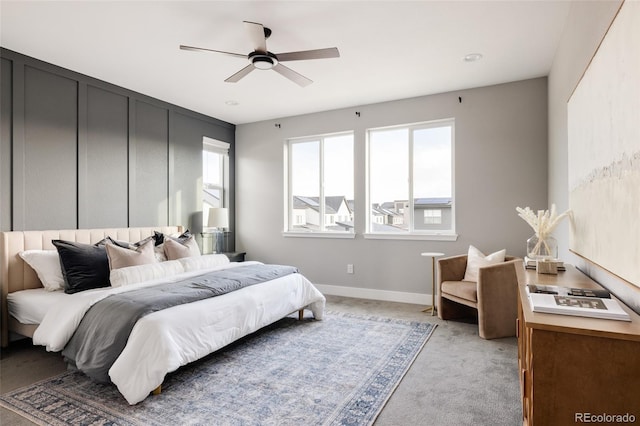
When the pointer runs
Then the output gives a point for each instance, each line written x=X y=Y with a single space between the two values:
x=262 y=59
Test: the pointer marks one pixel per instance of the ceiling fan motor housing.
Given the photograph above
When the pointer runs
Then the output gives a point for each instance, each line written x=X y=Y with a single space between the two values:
x=263 y=61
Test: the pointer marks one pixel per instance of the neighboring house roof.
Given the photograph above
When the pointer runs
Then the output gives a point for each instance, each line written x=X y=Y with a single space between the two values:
x=351 y=204
x=385 y=211
x=332 y=203
x=435 y=201
x=335 y=201
x=341 y=226
x=300 y=202
x=389 y=205
x=210 y=197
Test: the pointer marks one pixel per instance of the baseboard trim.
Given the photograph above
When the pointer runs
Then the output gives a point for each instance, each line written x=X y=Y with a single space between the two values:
x=369 y=293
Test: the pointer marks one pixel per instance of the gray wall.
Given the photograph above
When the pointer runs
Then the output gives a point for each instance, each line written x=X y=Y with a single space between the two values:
x=77 y=152
x=586 y=25
x=500 y=163
x=5 y=145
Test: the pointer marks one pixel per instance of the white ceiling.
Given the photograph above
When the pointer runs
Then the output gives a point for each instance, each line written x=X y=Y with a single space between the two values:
x=388 y=49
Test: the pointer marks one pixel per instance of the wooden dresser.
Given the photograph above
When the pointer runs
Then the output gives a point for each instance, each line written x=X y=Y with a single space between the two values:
x=573 y=367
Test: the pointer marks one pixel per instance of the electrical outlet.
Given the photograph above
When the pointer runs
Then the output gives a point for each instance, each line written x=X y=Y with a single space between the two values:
x=349 y=268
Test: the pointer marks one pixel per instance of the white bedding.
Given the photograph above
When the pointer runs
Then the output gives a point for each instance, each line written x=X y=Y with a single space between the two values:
x=165 y=340
x=30 y=306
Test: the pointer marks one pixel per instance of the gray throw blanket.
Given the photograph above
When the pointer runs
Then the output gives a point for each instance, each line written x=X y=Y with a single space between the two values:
x=105 y=328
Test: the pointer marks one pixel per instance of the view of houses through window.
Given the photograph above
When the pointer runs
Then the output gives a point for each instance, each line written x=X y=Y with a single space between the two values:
x=410 y=178
x=321 y=183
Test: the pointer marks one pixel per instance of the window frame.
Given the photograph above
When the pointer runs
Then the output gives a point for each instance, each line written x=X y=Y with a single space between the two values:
x=290 y=216
x=412 y=233
x=221 y=148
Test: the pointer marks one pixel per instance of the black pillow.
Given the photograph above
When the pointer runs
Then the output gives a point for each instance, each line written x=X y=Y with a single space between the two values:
x=157 y=237
x=84 y=266
x=182 y=238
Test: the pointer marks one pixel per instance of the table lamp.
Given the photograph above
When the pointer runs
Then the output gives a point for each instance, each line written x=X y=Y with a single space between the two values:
x=218 y=220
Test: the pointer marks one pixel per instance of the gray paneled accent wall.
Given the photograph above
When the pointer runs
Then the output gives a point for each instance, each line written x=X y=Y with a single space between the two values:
x=77 y=152
x=149 y=168
x=5 y=148
x=103 y=202
x=45 y=159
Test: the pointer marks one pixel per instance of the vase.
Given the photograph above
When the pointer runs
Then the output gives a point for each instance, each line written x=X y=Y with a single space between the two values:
x=545 y=248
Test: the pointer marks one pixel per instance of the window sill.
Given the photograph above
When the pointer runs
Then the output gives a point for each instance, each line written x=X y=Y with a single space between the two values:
x=415 y=236
x=339 y=235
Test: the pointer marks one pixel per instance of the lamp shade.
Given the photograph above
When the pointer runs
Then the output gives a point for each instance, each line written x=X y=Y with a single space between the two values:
x=218 y=217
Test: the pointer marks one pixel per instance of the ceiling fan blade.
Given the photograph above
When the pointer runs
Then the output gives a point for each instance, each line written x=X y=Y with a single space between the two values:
x=292 y=75
x=330 y=52
x=202 y=49
x=256 y=35
x=240 y=74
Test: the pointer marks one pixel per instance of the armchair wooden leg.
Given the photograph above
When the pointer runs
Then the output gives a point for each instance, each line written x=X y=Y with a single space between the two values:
x=300 y=314
x=157 y=390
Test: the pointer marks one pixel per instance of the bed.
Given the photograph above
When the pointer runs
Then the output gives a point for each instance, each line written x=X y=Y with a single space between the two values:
x=159 y=342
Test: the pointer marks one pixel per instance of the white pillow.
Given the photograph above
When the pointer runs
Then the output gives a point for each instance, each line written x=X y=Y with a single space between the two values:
x=46 y=263
x=476 y=259
x=203 y=262
x=141 y=273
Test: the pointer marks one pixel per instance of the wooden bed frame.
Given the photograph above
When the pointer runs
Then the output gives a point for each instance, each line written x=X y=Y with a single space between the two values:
x=16 y=275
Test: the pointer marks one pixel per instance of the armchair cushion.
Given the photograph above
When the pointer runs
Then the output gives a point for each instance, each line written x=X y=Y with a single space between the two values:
x=463 y=289
x=476 y=260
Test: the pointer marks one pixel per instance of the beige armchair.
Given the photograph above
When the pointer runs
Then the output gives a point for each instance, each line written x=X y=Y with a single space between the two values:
x=494 y=296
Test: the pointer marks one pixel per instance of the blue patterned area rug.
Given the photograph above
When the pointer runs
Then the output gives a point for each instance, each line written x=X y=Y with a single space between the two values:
x=339 y=371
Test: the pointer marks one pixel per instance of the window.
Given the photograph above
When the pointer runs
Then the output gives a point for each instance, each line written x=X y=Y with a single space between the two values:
x=432 y=217
x=215 y=175
x=320 y=184
x=410 y=179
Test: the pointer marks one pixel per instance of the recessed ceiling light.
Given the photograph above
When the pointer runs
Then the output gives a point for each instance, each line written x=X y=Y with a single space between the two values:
x=473 y=57
x=232 y=103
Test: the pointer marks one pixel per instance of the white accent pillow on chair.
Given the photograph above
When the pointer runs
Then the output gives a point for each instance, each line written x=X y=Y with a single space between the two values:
x=476 y=260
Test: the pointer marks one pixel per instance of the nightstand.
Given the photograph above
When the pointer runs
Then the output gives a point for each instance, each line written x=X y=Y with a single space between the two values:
x=235 y=256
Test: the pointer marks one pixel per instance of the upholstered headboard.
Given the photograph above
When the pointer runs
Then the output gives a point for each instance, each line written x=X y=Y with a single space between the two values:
x=17 y=275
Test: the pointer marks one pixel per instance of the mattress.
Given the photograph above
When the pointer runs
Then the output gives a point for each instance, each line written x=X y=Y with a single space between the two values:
x=30 y=306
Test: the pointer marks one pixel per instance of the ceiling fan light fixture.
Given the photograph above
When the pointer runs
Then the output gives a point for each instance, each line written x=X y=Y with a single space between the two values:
x=263 y=61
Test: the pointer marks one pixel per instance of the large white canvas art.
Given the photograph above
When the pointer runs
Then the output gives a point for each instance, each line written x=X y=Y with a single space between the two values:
x=604 y=151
